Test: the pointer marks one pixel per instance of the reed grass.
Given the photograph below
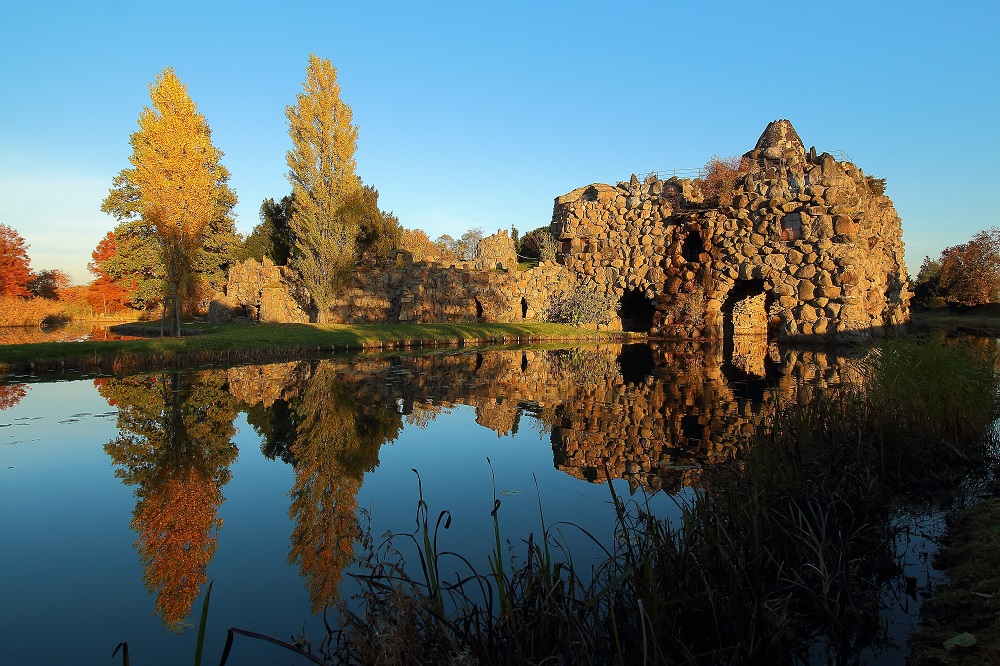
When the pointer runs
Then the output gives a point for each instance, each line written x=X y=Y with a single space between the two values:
x=37 y=311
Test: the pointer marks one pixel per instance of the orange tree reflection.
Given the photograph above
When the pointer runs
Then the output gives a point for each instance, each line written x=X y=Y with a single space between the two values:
x=340 y=427
x=175 y=445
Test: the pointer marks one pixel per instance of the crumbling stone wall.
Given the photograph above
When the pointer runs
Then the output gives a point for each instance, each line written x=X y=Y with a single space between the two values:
x=800 y=246
x=496 y=252
x=263 y=292
x=805 y=230
x=403 y=291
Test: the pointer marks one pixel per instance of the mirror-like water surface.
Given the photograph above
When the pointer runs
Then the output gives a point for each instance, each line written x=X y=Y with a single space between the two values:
x=120 y=498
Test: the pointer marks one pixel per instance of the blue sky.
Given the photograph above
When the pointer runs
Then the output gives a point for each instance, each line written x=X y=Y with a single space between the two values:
x=476 y=114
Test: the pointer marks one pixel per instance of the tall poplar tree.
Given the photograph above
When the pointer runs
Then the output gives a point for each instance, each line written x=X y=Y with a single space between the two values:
x=176 y=184
x=321 y=171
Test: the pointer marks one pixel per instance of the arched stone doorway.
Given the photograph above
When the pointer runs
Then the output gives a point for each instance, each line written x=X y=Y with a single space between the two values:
x=636 y=311
x=745 y=326
x=745 y=309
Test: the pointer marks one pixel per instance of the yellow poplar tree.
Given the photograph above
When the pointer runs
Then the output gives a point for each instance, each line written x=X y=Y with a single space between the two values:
x=321 y=171
x=174 y=181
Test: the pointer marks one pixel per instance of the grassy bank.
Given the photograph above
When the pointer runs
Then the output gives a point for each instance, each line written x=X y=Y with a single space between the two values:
x=779 y=554
x=245 y=343
x=983 y=320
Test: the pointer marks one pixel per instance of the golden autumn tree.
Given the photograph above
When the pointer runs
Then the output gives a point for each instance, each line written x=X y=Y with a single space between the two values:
x=339 y=432
x=175 y=185
x=174 y=445
x=321 y=171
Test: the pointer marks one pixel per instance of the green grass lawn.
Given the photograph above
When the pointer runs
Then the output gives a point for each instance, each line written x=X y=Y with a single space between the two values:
x=257 y=342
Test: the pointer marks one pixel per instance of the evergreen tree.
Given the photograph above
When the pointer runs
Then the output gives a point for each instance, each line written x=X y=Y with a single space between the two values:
x=272 y=237
x=378 y=232
x=321 y=171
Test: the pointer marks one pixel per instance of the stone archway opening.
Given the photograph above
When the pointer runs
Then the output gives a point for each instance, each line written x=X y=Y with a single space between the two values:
x=479 y=309
x=524 y=308
x=745 y=309
x=636 y=311
x=745 y=327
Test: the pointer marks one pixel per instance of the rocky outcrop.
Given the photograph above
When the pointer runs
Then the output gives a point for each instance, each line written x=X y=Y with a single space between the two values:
x=266 y=293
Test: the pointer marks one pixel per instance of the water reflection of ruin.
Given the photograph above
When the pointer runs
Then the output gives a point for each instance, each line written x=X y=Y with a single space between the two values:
x=652 y=415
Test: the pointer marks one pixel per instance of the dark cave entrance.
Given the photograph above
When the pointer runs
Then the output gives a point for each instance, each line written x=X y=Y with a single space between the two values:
x=524 y=308
x=636 y=311
x=693 y=247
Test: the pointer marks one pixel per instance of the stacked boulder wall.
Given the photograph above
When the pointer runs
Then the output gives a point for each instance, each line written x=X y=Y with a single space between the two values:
x=807 y=232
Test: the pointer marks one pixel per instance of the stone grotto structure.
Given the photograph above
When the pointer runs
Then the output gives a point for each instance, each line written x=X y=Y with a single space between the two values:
x=788 y=245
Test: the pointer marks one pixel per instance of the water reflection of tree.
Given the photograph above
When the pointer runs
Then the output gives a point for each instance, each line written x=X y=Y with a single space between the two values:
x=175 y=445
x=277 y=426
x=340 y=428
x=11 y=394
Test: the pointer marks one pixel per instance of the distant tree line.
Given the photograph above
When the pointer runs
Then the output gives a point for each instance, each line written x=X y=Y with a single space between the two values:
x=964 y=275
x=17 y=279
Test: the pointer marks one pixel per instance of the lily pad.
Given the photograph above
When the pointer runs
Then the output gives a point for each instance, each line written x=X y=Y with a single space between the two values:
x=964 y=640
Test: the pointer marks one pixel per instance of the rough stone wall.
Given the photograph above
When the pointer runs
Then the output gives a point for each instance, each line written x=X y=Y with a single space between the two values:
x=496 y=252
x=805 y=231
x=403 y=291
x=262 y=292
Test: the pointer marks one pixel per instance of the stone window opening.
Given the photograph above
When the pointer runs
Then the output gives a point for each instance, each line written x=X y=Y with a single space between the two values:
x=791 y=227
x=567 y=246
x=636 y=311
x=524 y=308
x=692 y=247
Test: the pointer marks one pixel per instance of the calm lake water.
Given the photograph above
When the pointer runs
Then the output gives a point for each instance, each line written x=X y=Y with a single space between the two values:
x=120 y=498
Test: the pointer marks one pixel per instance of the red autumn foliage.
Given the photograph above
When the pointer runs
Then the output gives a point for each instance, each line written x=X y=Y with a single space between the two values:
x=103 y=294
x=15 y=272
x=11 y=394
x=970 y=272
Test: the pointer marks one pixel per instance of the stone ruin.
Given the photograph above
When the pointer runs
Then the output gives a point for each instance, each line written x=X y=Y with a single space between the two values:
x=798 y=245
x=794 y=245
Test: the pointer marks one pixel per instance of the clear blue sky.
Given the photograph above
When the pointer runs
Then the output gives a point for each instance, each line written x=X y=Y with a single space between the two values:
x=476 y=114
